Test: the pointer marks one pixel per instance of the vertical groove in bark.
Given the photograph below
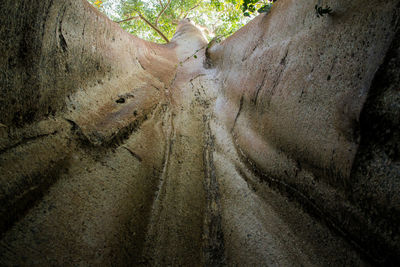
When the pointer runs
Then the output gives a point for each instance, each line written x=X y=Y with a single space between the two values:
x=213 y=247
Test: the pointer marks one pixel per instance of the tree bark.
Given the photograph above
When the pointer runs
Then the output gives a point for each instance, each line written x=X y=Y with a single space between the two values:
x=118 y=151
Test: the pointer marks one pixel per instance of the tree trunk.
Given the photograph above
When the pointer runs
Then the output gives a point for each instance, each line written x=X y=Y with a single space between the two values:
x=277 y=146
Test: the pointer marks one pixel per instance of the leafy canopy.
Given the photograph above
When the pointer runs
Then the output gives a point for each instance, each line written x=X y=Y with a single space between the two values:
x=156 y=20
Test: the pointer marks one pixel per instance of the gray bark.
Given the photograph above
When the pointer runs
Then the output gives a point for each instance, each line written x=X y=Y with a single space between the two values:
x=277 y=146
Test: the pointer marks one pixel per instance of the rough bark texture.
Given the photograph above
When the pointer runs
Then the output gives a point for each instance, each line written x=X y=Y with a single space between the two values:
x=277 y=146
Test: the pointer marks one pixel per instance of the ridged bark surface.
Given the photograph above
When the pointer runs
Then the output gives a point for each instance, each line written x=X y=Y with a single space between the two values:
x=277 y=146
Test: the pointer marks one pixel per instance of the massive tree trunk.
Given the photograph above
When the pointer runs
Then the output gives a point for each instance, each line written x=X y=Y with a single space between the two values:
x=277 y=146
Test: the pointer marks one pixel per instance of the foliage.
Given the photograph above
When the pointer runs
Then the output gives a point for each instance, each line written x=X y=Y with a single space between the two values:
x=144 y=17
x=98 y=3
x=251 y=6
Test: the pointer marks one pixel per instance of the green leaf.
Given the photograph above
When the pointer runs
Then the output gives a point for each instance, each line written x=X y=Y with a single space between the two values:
x=264 y=9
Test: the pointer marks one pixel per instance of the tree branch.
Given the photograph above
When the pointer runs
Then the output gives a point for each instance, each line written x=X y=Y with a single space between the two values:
x=128 y=19
x=153 y=27
x=148 y=23
x=187 y=13
x=162 y=12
